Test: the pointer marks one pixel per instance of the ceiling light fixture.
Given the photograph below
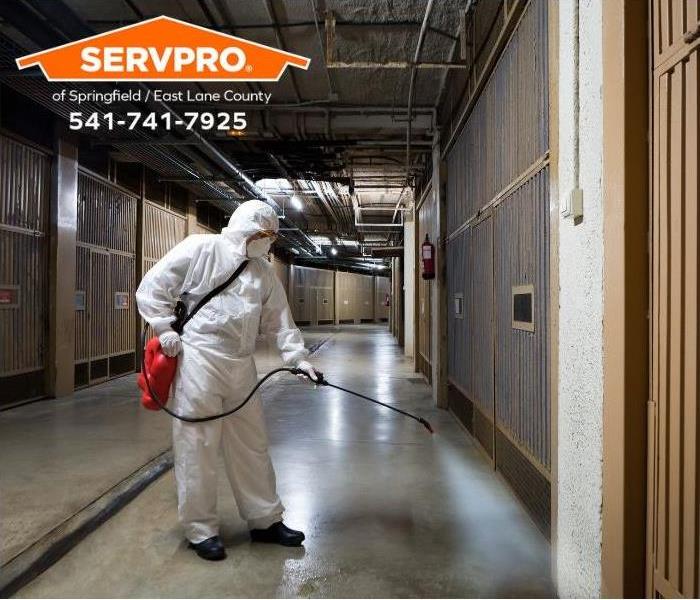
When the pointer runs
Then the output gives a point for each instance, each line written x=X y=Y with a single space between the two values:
x=296 y=202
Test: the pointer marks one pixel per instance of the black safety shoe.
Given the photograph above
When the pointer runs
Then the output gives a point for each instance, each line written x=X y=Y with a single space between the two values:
x=278 y=533
x=210 y=549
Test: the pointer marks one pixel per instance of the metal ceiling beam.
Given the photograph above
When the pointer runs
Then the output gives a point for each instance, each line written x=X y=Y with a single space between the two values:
x=280 y=43
x=400 y=24
x=416 y=58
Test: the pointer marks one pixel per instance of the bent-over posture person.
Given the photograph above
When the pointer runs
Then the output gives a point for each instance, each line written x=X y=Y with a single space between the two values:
x=216 y=371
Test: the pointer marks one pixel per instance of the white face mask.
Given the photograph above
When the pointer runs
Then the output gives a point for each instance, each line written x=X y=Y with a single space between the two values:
x=259 y=247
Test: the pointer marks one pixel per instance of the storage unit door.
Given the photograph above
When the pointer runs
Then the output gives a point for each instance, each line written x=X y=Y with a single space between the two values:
x=25 y=175
x=105 y=324
x=673 y=424
x=497 y=254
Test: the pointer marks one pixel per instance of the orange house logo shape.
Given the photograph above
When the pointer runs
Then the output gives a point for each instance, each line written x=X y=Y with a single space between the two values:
x=163 y=49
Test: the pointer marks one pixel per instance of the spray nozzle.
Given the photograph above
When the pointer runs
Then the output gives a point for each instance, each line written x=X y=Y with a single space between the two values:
x=425 y=424
x=320 y=379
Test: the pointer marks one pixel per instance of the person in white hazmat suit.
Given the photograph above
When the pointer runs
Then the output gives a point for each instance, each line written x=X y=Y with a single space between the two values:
x=216 y=371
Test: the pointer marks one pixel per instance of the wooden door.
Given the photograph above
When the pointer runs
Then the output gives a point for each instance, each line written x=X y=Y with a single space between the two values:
x=672 y=548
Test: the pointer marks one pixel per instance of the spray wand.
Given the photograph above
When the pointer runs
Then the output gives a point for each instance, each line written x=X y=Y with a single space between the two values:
x=294 y=371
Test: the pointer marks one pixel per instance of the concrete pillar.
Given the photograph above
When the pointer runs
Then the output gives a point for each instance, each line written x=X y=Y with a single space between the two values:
x=63 y=232
x=580 y=333
x=439 y=289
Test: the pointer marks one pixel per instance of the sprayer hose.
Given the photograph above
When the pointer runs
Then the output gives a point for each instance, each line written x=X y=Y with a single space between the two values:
x=293 y=371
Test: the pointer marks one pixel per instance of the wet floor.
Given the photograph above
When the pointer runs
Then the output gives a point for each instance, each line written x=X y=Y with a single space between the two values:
x=388 y=510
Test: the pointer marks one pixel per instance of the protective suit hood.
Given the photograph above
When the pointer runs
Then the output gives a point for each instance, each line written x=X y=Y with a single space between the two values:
x=248 y=219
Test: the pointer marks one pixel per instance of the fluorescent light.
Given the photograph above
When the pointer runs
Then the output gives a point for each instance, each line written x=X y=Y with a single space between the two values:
x=334 y=251
x=296 y=202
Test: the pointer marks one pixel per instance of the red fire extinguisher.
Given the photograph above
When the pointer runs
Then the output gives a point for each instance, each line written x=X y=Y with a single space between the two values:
x=428 y=256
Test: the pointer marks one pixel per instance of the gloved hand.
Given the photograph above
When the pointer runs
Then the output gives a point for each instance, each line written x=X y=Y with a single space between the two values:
x=170 y=343
x=308 y=368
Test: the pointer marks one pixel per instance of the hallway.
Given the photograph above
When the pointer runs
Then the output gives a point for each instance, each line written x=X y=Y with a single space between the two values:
x=387 y=509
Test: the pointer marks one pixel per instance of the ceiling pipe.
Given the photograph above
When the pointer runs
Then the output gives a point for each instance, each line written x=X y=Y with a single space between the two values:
x=416 y=57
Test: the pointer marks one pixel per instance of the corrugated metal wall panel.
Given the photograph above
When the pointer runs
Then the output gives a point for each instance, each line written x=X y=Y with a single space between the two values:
x=25 y=183
x=313 y=295
x=99 y=305
x=673 y=427
x=508 y=128
x=427 y=224
x=162 y=229
x=106 y=215
x=521 y=248
x=123 y=275
x=23 y=327
x=106 y=273
x=25 y=175
x=470 y=338
x=365 y=297
x=346 y=297
x=355 y=297
x=82 y=321
x=497 y=220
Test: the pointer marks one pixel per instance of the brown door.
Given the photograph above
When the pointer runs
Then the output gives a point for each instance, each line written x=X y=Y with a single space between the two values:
x=673 y=458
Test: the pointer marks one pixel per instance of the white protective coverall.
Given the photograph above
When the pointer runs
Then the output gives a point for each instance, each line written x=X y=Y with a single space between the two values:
x=216 y=368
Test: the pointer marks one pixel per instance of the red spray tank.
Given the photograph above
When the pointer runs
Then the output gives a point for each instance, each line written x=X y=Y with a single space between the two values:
x=161 y=371
x=428 y=257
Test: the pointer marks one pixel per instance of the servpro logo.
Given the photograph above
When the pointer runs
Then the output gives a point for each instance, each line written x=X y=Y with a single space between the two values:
x=163 y=49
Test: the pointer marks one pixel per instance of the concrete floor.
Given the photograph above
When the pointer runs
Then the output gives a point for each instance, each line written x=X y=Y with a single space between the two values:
x=388 y=510
x=54 y=452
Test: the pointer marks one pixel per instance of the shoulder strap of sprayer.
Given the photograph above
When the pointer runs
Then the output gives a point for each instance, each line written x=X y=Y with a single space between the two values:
x=181 y=314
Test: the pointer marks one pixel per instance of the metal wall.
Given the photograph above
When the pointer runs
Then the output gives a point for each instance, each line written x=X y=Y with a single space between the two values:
x=354 y=297
x=105 y=280
x=25 y=184
x=470 y=335
x=427 y=224
x=382 y=298
x=312 y=295
x=521 y=251
x=497 y=222
x=508 y=128
x=162 y=230
x=672 y=552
